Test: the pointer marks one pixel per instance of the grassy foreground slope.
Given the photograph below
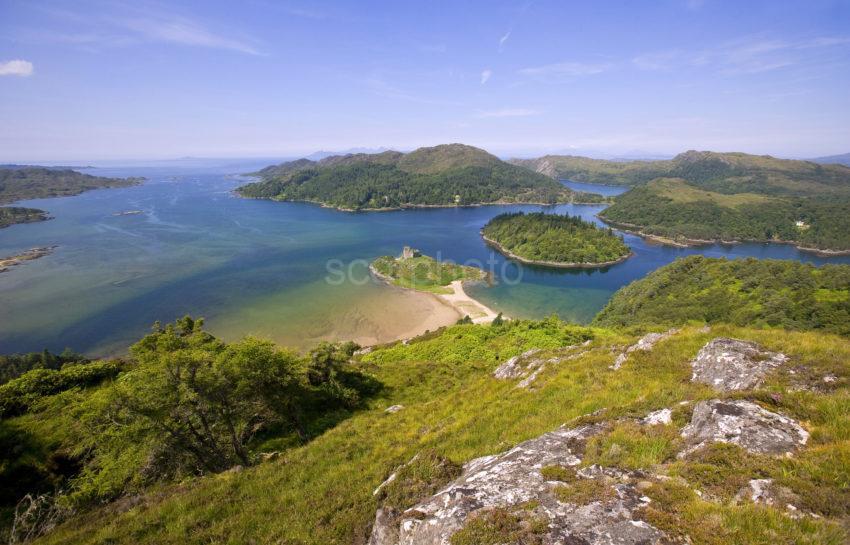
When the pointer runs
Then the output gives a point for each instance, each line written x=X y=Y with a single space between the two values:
x=321 y=492
x=747 y=292
x=446 y=175
x=554 y=239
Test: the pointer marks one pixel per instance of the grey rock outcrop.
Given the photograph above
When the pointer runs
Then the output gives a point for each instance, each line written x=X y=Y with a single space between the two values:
x=528 y=368
x=645 y=343
x=509 y=479
x=745 y=424
x=515 y=367
x=730 y=364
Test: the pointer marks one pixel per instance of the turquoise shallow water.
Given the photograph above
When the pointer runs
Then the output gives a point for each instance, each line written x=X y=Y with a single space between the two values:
x=262 y=267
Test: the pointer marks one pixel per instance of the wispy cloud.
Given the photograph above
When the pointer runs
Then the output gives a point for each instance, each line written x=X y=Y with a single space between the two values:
x=130 y=25
x=752 y=55
x=504 y=39
x=16 y=68
x=507 y=112
x=486 y=75
x=565 y=69
x=183 y=31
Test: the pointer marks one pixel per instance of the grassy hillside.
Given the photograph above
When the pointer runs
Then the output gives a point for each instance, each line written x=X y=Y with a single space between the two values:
x=675 y=209
x=424 y=273
x=554 y=239
x=196 y=440
x=703 y=195
x=752 y=292
x=446 y=175
x=727 y=173
x=321 y=492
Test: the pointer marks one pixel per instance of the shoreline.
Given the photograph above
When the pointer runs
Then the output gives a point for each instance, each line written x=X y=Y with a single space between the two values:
x=556 y=264
x=321 y=204
x=458 y=300
x=696 y=242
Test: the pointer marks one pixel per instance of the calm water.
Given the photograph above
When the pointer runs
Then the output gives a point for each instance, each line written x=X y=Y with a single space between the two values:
x=260 y=267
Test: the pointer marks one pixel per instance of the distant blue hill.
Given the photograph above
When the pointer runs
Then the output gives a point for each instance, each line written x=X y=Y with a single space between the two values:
x=843 y=159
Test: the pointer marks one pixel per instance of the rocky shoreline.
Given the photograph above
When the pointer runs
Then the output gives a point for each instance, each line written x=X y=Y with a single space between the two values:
x=695 y=242
x=29 y=255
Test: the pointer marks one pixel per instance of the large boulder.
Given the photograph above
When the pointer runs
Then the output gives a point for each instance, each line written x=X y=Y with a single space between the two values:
x=730 y=364
x=742 y=423
x=513 y=480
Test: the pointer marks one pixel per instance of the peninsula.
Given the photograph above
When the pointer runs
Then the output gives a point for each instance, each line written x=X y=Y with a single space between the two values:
x=440 y=176
x=415 y=271
x=554 y=240
x=20 y=182
x=701 y=197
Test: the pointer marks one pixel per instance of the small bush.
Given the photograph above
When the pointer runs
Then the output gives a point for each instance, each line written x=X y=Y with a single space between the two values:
x=584 y=491
x=500 y=526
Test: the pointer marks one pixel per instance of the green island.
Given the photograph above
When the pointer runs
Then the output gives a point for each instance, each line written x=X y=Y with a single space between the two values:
x=22 y=182
x=10 y=215
x=700 y=197
x=554 y=240
x=421 y=272
x=446 y=175
x=171 y=443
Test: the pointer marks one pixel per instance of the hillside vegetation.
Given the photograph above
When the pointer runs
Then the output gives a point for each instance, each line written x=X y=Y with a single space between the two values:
x=674 y=209
x=751 y=292
x=195 y=440
x=447 y=175
x=706 y=196
x=554 y=239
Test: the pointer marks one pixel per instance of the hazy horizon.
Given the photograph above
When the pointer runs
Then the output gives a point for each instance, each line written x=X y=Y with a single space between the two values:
x=104 y=81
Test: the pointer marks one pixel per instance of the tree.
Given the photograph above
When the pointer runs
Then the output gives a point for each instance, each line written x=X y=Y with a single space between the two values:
x=204 y=399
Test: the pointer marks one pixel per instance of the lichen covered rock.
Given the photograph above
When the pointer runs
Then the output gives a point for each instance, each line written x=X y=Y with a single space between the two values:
x=745 y=424
x=645 y=343
x=513 y=482
x=730 y=364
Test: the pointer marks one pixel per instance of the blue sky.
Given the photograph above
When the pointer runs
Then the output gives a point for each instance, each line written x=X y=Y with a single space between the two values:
x=89 y=80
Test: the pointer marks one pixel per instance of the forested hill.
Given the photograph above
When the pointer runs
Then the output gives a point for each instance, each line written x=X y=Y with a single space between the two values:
x=703 y=195
x=752 y=292
x=445 y=175
x=554 y=240
x=35 y=182
x=720 y=172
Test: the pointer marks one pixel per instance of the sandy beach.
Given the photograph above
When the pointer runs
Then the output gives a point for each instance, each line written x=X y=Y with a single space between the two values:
x=466 y=305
